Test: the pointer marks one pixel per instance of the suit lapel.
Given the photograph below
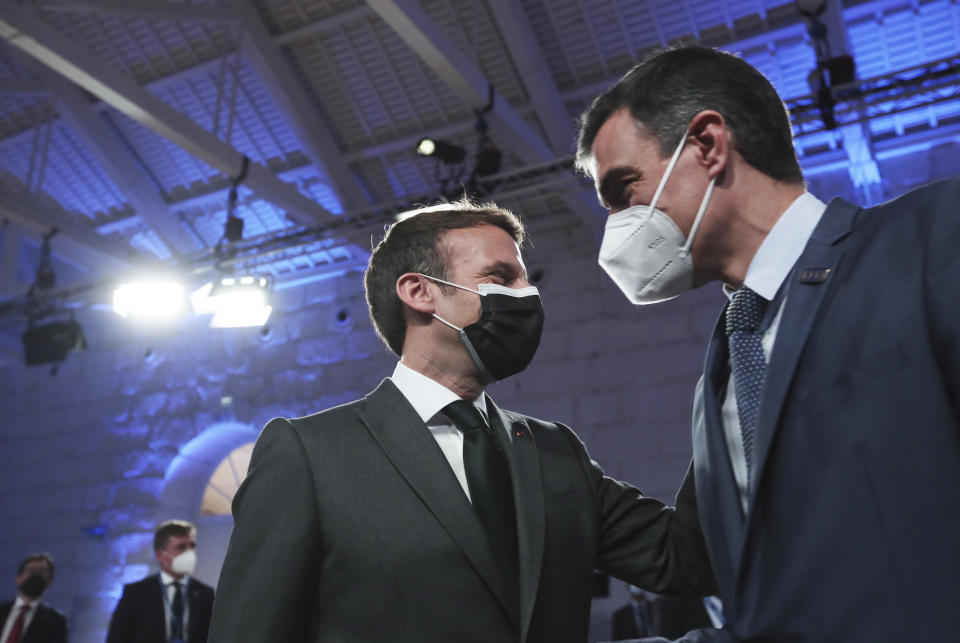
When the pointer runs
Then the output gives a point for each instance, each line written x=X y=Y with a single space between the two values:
x=803 y=297
x=156 y=610
x=528 y=499
x=717 y=494
x=407 y=443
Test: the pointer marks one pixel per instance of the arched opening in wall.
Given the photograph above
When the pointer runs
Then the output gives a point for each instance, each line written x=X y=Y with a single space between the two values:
x=200 y=484
x=225 y=481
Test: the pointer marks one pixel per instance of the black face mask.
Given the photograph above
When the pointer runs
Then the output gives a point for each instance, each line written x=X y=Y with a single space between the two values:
x=505 y=338
x=33 y=586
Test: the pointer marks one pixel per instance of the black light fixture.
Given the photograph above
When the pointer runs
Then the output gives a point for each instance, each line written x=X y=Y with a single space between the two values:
x=441 y=150
x=52 y=341
x=831 y=70
x=51 y=335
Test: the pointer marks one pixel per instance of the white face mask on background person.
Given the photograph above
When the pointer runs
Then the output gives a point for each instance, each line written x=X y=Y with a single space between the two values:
x=184 y=563
x=644 y=251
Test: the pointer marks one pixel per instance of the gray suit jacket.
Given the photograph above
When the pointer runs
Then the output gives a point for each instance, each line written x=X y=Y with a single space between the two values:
x=351 y=527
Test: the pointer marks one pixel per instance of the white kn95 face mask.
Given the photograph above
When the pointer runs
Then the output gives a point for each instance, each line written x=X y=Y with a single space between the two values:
x=644 y=251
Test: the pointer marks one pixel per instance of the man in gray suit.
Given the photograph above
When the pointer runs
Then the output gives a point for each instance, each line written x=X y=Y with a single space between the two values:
x=424 y=512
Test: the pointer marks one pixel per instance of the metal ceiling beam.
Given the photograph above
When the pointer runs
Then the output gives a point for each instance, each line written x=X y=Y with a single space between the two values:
x=468 y=82
x=124 y=169
x=466 y=79
x=22 y=29
x=82 y=245
x=141 y=9
x=534 y=73
x=275 y=72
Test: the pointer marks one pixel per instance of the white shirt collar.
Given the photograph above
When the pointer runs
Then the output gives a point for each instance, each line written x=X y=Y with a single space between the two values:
x=427 y=396
x=167 y=579
x=783 y=245
x=22 y=601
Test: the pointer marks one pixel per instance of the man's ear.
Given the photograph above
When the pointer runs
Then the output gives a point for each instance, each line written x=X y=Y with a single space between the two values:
x=414 y=291
x=713 y=140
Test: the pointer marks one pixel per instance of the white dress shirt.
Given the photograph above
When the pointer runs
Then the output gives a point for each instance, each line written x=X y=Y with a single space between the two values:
x=168 y=593
x=14 y=612
x=428 y=397
x=767 y=271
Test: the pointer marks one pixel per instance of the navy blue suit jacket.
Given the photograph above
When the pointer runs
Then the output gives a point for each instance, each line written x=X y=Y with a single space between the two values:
x=854 y=523
x=140 y=617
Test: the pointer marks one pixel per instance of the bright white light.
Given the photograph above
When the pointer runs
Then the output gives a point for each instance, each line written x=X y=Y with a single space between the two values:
x=241 y=307
x=427 y=147
x=149 y=300
x=201 y=301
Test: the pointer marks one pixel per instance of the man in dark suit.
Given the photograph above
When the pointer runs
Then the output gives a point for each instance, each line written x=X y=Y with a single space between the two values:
x=649 y=614
x=171 y=606
x=825 y=429
x=424 y=512
x=26 y=619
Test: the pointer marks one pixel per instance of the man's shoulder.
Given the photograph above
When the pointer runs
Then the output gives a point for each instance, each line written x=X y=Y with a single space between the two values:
x=200 y=587
x=543 y=431
x=926 y=199
x=345 y=411
x=50 y=612
x=152 y=581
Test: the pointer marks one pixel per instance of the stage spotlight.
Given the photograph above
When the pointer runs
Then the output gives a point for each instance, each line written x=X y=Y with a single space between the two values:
x=234 y=301
x=151 y=300
x=52 y=341
x=447 y=152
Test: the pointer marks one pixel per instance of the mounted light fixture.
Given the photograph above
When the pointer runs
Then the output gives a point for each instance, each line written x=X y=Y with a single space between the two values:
x=52 y=341
x=235 y=302
x=441 y=150
x=151 y=300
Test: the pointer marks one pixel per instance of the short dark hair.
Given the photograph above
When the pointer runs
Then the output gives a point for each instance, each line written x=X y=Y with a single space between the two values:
x=667 y=89
x=44 y=556
x=415 y=244
x=169 y=528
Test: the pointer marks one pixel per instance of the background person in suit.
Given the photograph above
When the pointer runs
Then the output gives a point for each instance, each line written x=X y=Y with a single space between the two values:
x=826 y=436
x=26 y=619
x=424 y=512
x=649 y=614
x=170 y=606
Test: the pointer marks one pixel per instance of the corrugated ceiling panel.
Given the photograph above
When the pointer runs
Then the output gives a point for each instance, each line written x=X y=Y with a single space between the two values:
x=256 y=128
x=640 y=21
x=148 y=49
x=578 y=46
x=69 y=174
x=173 y=168
x=471 y=28
x=787 y=66
x=549 y=42
x=674 y=19
x=286 y=15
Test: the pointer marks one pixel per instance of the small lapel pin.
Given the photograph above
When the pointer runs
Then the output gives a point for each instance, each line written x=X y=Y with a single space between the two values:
x=519 y=433
x=814 y=275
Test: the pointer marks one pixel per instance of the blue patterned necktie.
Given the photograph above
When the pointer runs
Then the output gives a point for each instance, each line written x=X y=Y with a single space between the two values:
x=749 y=366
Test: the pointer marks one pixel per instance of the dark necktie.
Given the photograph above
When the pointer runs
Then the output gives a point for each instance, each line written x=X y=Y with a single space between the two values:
x=491 y=489
x=17 y=630
x=749 y=366
x=176 y=613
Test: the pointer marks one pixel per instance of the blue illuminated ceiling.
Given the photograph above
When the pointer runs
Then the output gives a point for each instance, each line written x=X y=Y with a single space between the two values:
x=329 y=97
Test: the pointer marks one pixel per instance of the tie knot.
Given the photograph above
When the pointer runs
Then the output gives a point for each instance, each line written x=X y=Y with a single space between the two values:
x=745 y=312
x=465 y=415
